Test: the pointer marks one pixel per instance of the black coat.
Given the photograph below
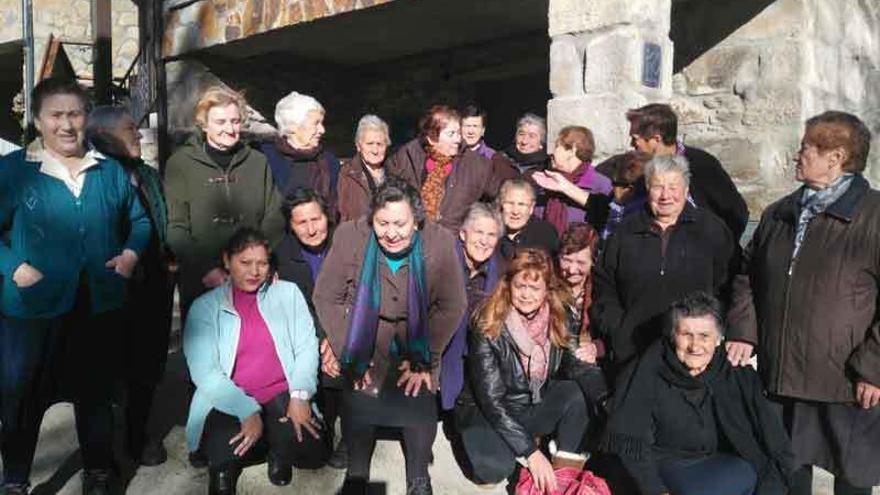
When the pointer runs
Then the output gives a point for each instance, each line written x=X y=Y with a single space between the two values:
x=659 y=412
x=293 y=267
x=536 y=234
x=634 y=283
x=712 y=188
x=500 y=387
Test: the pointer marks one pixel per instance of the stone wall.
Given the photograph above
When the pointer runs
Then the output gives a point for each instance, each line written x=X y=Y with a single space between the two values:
x=71 y=21
x=746 y=98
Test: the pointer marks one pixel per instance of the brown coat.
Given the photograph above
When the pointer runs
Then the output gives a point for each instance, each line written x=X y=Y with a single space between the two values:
x=473 y=178
x=815 y=324
x=353 y=190
x=336 y=288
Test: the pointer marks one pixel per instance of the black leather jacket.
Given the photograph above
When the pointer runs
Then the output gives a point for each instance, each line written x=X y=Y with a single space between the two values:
x=499 y=387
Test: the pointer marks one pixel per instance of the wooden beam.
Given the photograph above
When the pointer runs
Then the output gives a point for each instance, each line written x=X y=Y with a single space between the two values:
x=102 y=36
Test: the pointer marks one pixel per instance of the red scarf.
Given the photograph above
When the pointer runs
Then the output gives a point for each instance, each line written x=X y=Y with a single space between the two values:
x=439 y=166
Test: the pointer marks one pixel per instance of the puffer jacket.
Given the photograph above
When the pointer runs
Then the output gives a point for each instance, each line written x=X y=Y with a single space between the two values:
x=500 y=388
x=813 y=319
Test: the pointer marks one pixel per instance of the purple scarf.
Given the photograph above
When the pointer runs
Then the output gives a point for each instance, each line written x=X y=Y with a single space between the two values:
x=452 y=363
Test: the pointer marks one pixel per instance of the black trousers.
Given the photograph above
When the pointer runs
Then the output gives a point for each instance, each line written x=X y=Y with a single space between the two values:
x=278 y=439
x=72 y=357
x=417 y=441
x=147 y=334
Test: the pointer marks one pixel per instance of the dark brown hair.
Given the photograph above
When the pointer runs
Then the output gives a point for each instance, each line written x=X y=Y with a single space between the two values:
x=656 y=118
x=629 y=168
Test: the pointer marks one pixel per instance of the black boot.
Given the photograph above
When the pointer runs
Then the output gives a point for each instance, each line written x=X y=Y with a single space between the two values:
x=223 y=480
x=96 y=481
x=339 y=458
x=419 y=486
x=153 y=454
x=354 y=486
x=280 y=471
x=15 y=489
x=198 y=459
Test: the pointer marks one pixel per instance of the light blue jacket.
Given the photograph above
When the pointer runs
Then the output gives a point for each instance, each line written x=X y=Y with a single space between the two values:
x=211 y=341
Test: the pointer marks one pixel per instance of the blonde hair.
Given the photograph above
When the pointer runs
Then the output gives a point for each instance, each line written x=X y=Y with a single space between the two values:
x=218 y=96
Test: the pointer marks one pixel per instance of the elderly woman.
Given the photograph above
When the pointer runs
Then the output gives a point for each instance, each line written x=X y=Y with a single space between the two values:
x=527 y=151
x=628 y=190
x=806 y=299
x=390 y=297
x=359 y=178
x=64 y=264
x=685 y=422
x=215 y=184
x=667 y=250
x=449 y=180
x=299 y=258
x=522 y=367
x=483 y=266
x=573 y=179
x=517 y=199
x=296 y=155
x=252 y=353
x=577 y=250
x=113 y=132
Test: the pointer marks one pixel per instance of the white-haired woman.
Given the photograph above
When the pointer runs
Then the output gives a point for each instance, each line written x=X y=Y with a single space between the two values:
x=666 y=251
x=527 y=151
x=360 y=177
x=296 y=155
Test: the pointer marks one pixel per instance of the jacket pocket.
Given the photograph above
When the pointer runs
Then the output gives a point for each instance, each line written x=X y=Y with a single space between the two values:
x=44 y=296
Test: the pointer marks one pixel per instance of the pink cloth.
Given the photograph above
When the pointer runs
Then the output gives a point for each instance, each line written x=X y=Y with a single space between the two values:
x=258 y=370
x=532 y=337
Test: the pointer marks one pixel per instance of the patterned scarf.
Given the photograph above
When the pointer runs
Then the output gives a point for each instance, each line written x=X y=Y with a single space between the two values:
x=813 y=203
x=364 y=323
x=532 y=338
x=439 y=166
x=556 y=211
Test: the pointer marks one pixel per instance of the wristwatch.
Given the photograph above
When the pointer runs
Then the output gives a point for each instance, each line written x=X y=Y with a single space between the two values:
x=300 y=394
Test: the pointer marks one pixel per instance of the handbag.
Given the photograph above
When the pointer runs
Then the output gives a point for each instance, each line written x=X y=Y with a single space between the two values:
x=569 y=481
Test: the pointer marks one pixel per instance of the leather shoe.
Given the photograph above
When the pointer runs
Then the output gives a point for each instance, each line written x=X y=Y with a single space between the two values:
x=280 y=471
x=96 y=482
x=154 y=454
x=198 y=459
x=339 y=458
x=419 y=486
x=354 y=486
x=223 y=481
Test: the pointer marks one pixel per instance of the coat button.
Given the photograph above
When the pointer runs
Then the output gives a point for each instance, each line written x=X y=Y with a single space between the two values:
x=394 y=298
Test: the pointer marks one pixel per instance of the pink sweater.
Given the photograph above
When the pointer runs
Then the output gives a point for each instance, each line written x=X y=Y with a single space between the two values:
x=258 y=370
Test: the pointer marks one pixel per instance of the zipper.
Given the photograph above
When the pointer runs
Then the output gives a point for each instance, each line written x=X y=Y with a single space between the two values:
x=785 y=311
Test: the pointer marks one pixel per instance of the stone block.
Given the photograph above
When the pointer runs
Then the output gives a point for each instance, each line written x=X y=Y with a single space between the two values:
x=772 y=105
x=575 y=16
x=781 y=62
x=719 y=69
x=613 y=60
x=566 y=66
x=821 y=65
x=603 y=114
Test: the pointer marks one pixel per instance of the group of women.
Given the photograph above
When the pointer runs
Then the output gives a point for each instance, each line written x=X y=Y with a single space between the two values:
x=539 y=307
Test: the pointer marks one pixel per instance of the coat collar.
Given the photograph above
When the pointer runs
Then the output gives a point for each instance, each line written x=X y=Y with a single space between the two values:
x=645 y=222
x=226 y=302
x=844 y=209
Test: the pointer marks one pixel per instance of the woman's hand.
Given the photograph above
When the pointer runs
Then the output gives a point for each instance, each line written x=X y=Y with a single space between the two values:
x=124 y=263
x=300 y=413
x=739 y=353
x=412 y=381
x=26 y=275
x=542 y=472
x=867 y=395
x=214 y=278
x=329 y=363
x=587 y=352
x=365 y=381
x=556 y=182
x=251 y=431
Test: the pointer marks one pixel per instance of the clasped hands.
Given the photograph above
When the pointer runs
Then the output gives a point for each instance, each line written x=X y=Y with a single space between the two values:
x=411 y=381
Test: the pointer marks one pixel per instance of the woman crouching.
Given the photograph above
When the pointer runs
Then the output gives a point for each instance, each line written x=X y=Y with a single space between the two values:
x=522 y=368
x=252 y=353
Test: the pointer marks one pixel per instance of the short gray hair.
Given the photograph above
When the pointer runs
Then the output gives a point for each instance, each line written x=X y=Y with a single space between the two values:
x=532 y=119
x=519 y=184
x=372 y=122
x=480 y=210
x=664 y=164
x=293 y=110
x=696 y=305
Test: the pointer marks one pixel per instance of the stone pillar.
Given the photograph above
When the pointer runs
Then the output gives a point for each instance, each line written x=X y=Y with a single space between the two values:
x=606 y=57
